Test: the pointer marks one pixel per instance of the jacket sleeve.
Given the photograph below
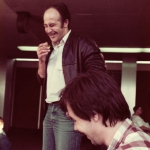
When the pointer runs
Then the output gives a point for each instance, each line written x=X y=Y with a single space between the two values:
x=40 y=80
x=92 y=58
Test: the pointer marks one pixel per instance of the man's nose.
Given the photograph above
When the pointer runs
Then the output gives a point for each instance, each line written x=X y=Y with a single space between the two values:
x=49 y=29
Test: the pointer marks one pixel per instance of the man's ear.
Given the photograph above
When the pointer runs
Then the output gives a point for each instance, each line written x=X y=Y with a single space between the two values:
x=97 y=117
x=66 y=23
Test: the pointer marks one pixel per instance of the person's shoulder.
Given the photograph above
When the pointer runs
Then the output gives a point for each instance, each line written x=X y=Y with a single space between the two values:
x=136 y=134
x=82 y=37
x=5 y=144
x=135 y=117
x=136 y=138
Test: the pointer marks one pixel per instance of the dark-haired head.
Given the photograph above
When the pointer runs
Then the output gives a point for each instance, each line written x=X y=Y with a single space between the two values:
x=135 y=108
x=94 y=92
x=63 y=11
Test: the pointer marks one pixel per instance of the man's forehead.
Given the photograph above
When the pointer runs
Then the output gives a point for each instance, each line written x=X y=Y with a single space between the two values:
x=52 y=11
x=52 y=15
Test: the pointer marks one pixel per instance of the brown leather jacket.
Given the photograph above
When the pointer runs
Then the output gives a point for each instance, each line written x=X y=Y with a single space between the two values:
x=80 y=54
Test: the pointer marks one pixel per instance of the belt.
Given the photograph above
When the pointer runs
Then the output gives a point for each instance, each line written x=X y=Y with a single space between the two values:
x=54 y=103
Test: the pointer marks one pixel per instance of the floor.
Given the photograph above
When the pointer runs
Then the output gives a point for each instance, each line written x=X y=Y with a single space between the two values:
x=25 y=139
x=31 y=139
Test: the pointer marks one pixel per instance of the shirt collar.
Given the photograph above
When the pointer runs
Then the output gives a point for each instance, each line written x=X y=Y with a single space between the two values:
x=66 y=36
x=63 y=40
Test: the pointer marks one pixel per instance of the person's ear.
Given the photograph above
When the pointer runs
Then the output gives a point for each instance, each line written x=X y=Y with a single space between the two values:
x=66 y=23
x=97 y=117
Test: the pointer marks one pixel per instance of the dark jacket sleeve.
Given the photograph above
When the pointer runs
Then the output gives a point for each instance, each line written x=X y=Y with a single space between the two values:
x=92 y=57
x=81 y=55
x=40 y=80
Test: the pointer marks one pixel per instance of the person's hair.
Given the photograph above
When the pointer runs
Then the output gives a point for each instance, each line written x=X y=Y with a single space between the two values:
x=94 y=92
x=1 y=120
x=63 y=11
x=135 y=108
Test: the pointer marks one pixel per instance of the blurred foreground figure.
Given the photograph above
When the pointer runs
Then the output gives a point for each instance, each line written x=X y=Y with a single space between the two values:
x=4 y=141
x=100 y=111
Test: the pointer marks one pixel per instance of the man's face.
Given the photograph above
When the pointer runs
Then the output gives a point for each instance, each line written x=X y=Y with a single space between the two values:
x=1 y=125
x=86 y=127
x=140 y=110
x=53 y=25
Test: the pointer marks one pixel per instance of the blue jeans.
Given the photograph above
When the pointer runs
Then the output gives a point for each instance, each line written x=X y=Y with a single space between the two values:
x=58 y=131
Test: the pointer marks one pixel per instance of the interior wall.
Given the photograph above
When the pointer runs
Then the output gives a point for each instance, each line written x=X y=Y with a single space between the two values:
x=26 y=98
x=2 y=84
x=143 y=93
x=127 y=71
x=7 y=104
x=128 y=85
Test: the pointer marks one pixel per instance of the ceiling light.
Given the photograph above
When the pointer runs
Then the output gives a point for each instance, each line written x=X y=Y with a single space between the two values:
x=114 y=61
x=107 y=61
x=27 y=48
x=125 y=50
x=143 y=62
x=103 y=49
x=26 y=59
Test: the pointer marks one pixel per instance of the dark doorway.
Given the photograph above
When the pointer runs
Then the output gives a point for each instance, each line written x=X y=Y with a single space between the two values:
x=143 y=93
x=26 y=98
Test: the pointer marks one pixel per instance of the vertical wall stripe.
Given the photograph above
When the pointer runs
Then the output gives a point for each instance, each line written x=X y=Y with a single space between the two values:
x=128 y=84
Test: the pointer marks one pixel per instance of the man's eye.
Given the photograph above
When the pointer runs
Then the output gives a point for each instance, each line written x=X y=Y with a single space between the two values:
x=45 y=26
x=51 y=25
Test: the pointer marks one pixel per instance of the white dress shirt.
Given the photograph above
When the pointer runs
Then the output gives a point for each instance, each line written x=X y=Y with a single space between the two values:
x=139 y=121
x=55 y=76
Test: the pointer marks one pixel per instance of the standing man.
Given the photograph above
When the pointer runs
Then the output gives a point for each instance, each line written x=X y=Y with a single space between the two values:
x=100 y=111
x=68 y=55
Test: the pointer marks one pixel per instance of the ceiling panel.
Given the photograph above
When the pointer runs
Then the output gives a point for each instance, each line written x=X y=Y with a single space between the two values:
x=120 y=23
